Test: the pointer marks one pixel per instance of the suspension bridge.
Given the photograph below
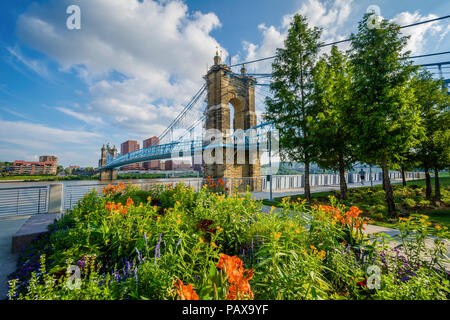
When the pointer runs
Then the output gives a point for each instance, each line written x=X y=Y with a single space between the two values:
x=209 y=108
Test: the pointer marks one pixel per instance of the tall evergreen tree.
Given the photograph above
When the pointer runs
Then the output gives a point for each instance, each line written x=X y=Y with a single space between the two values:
x=432 y=152
x=385 y=119
x=333 y=103
x=291 y=107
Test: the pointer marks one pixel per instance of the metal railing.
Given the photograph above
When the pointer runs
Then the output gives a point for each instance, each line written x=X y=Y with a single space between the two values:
x=35 y=200
x=73 y=194
x=23 y=201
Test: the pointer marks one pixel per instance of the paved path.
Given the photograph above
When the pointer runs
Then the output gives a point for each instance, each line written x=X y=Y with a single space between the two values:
x=8 y=227
x=286 y=193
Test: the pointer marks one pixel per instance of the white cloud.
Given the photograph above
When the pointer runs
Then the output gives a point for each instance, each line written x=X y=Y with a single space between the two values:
x=22 y=140
x=82 y=116
x=420 y=34
x=38 y=136
x=36 y=65
x=158 y=49
x=329 y=15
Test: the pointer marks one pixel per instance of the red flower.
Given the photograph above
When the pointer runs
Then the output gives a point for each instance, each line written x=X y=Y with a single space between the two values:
x=130 y=202
x=185 y=292
x=238 y=277
x=362 y=283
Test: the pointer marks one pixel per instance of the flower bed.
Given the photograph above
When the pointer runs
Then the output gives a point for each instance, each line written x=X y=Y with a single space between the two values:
x=174 y=243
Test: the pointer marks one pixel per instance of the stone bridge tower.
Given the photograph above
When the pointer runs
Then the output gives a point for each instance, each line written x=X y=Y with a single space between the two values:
x=107 y=174
x=225 y=88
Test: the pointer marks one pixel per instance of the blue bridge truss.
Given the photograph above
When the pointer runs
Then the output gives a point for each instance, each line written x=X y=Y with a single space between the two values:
x=253 y=139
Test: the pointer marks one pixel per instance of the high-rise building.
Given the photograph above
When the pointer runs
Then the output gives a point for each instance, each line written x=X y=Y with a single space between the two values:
x=155 y=164
x=127 y=147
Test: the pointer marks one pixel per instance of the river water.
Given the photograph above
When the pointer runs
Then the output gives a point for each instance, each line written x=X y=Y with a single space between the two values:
x=9 y=184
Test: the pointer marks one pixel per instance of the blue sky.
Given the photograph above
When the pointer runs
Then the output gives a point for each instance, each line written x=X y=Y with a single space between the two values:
x=133 y=65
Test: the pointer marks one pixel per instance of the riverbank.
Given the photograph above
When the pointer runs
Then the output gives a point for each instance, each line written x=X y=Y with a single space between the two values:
x=90 y=178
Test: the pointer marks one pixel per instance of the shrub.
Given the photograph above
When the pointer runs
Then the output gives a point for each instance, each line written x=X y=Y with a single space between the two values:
x=171 y=242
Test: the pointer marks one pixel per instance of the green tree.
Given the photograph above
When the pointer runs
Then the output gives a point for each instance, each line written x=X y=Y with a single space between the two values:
x=432 y=152
x=333 y=103
x=291 y=107
x=385 y=120
x=441 y=157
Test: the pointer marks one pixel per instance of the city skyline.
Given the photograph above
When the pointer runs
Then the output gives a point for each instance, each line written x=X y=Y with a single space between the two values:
x=67 y=92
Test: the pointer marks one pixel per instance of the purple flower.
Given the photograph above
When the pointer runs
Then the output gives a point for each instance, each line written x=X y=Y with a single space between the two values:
x=157 y=248
x=405 y=278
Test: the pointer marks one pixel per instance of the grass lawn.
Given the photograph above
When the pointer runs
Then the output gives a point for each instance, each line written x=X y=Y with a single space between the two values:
x=27 y=177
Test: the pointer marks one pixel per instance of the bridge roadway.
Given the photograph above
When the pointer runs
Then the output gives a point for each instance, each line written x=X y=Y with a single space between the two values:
x=191 y=147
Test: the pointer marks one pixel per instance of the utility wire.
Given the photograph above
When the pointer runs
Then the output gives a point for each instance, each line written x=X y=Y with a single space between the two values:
x=346 y=40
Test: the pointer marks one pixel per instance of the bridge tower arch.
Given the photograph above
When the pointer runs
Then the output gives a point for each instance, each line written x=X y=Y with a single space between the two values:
x=107 y=174
x=224 y=88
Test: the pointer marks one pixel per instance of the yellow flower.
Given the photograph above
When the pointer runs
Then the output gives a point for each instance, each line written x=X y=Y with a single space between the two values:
x=297 y=230
x=178 y=221
x=321 y=254
x=219 y=228
x=178 y=203
x=277 y=235
x=158 y=218
x=213 y=244
x=200 y=239
x=141 y=230
x=312 y=247
x=197 y=251
x=178 y=215
x=272 y=208
x=149 y=198
x=141 y=205
x=438 y=227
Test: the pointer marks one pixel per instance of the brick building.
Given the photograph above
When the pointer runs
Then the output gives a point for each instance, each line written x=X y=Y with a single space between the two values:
x=48 y=158
x=155 y=164
x=127 y=147
x=45 y=165
x=177 y=165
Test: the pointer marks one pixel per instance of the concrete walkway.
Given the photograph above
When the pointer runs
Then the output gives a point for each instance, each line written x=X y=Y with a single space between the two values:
x=292 y=192
x=8 y=227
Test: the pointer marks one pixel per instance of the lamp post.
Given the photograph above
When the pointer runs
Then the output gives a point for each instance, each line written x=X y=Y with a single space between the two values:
x=269 y=176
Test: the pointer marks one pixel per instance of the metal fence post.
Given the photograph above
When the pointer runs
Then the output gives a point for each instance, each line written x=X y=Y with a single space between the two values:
x=39 y=202
x=55 y=198
x=17 y=202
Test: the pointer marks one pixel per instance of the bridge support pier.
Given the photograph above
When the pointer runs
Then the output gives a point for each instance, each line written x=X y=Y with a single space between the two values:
x=108 y=174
